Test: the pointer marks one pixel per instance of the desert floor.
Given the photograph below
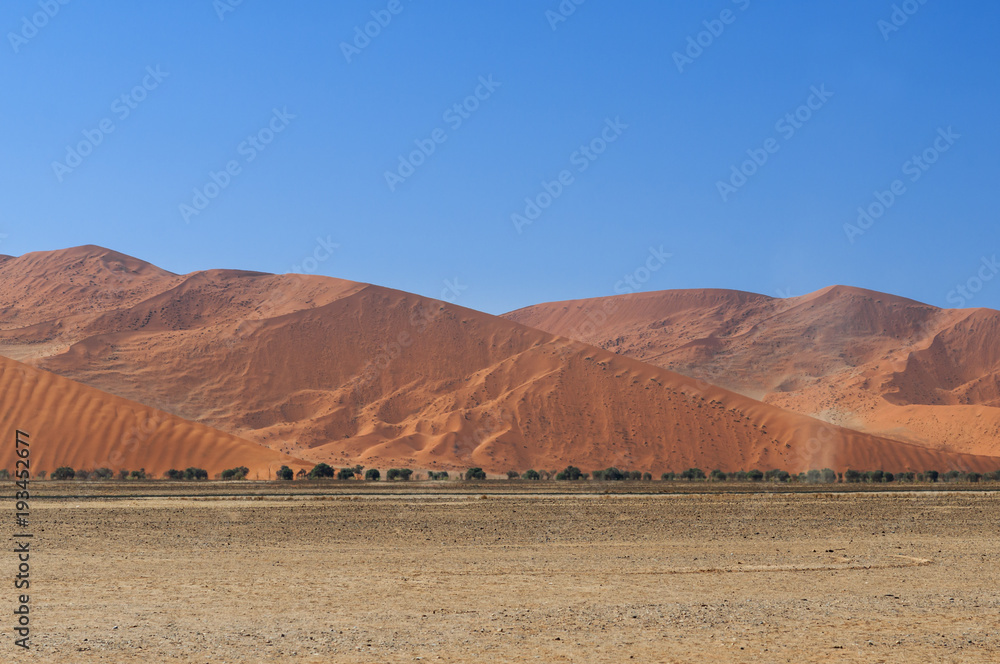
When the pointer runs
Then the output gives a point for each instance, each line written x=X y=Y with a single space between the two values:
x=507 y=576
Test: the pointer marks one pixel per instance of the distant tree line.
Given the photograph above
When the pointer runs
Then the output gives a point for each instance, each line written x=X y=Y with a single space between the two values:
x=323 y=471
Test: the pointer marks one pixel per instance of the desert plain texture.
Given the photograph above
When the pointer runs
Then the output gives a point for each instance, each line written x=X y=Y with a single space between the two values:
x=484 y=574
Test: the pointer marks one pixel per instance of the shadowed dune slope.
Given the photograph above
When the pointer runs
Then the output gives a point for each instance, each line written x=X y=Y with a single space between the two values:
x=336 y=371
x=866 y=360
x=73 y=425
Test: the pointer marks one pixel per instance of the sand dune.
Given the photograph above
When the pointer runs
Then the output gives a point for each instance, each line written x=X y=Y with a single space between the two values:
x=78 y=426
x=336 y=371
x=866 y=360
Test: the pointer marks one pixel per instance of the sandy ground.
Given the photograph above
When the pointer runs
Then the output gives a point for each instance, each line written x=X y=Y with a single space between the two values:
x=901 y=577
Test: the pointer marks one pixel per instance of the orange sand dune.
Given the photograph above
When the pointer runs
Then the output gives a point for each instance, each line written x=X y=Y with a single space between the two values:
x=869 y=361
x=78 y=426
x=336 y=371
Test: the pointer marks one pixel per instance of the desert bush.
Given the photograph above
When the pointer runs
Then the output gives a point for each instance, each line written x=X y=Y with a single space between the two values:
x=668 y=477
x=646 y=477
x=123 y=474
x=41 y=474
x=4 y=474
x=973 y=477
x=992 y=477
x=853 y=476
x=531 y=474
x=717 y=476
x=634 y=475
x=437 y=475
x=888 y=477
x=570 y=473
x=777 y=476
x=404 y=474
x=199 y=473
x=174 y=474
x=813 y=477
x=930 y=476
x=475 y=474
x=285 y=473
x=320 y=471
x=513 y=475
x=63 y=473
x=828 y=476
x=372 y=475
x=952 y=476
x=611 y=474
x=693 y=474
x=392 y=474
x=82 y=475
x=103 y=474
x=138 y=474
x=345 y=474
x=755 y=475
x=238 y=473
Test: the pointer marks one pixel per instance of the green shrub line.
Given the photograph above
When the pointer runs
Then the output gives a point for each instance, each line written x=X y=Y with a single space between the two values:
x=322 y=471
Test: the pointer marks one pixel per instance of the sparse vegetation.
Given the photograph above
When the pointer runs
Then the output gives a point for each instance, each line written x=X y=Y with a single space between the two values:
x=399 y=474
x=475 y=474
x=513 y=475
x=63 y=473
x=570 y=473
x=285 y=473
x=437 y=475
x=238 y=473
x=321 y=471
x=345 y=474
x=372 y=475
x=531 y=475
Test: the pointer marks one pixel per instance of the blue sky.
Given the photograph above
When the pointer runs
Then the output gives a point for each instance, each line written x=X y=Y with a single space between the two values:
x=310 y=129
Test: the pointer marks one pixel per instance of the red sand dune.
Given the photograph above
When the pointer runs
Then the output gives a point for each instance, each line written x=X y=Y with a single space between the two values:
x=869 y=361
x=78 y=426
x=337 y=371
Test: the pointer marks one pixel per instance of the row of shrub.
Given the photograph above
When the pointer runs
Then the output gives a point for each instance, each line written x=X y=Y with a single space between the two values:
x=570 y=473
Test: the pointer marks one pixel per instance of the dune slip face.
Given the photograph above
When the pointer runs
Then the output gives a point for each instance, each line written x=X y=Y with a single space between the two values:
x=347 y=373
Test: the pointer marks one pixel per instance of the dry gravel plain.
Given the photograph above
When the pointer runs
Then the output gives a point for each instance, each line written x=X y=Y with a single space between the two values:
x=506 y=576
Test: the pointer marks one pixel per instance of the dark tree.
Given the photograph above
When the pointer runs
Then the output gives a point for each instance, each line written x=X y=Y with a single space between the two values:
x=320 y=471
x=63 y=473
x=372 y=475
x=475 y=474
x=286 y=473
x=531 y=475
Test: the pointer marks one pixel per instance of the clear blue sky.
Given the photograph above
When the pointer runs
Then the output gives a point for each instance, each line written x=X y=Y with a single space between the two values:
x=323 y=175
